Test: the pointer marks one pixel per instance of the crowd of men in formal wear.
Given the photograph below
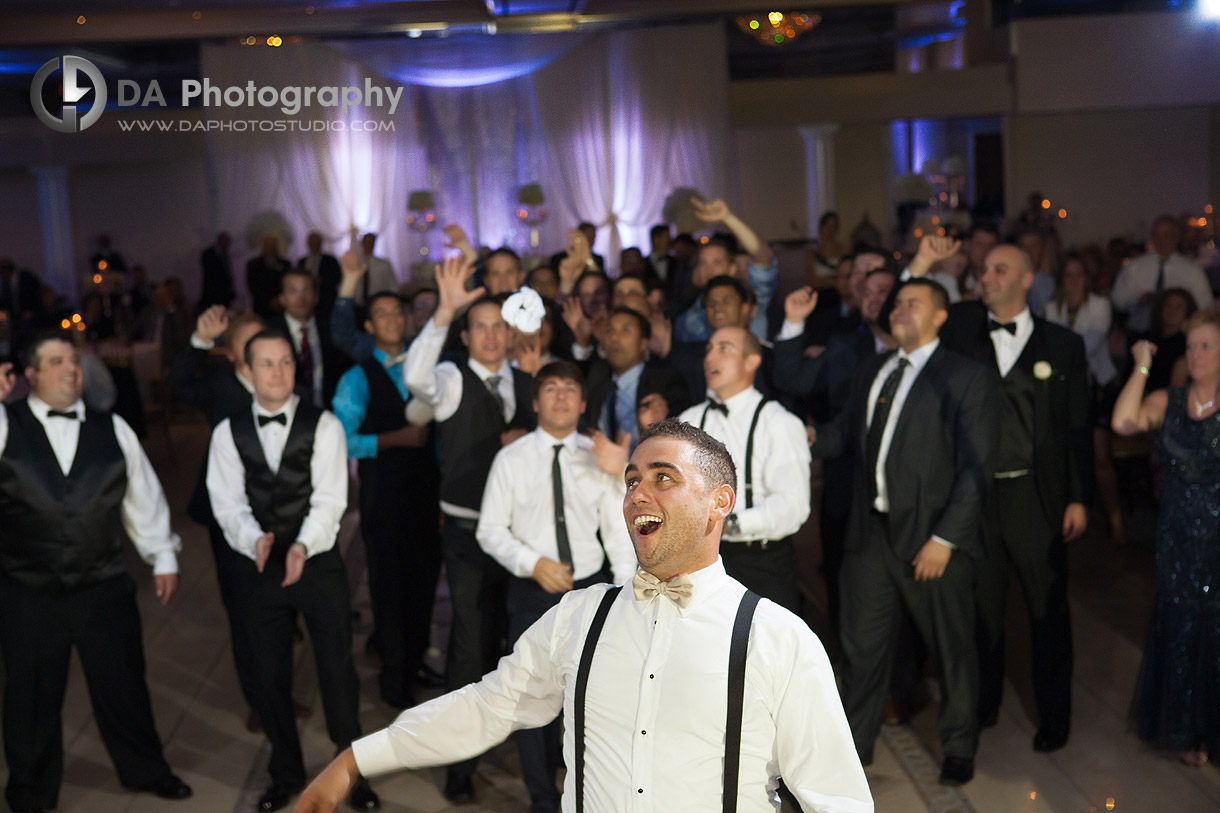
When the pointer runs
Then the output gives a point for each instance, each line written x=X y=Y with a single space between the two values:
x=954 y=422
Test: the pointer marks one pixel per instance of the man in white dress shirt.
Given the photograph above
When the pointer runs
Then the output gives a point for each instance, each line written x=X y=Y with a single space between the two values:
x=72 y=479
x=656 y=688
x=277 y=478
x=548 y=537
x=1146 y=277
x=771 y=452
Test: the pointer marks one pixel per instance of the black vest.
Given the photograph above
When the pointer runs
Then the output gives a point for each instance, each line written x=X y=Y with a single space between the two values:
x=280 y=501
x=1017 y=421
x=60 y=531
x=470 y=438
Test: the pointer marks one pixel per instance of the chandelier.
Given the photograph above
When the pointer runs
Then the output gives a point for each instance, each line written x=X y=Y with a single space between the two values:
x=775 y=27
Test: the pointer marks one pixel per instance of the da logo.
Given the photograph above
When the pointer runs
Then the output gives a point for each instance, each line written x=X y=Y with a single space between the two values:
x=66 y=120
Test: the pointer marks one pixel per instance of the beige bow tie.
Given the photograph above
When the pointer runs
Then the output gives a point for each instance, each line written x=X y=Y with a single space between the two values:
x=678 y=589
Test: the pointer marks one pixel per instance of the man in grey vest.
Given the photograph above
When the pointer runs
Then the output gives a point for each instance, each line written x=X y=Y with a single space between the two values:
x=644 y=687
x=72 y=479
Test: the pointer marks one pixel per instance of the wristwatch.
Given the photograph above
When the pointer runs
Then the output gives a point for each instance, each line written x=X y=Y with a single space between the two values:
x=591 y=264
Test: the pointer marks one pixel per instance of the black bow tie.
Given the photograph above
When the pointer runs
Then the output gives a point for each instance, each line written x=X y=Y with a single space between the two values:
x=717 y=406
x=263 y=420
x=993 y=325
x=55 y=413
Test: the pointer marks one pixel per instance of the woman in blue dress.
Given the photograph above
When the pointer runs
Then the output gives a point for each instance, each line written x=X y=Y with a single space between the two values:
x=1177 y=697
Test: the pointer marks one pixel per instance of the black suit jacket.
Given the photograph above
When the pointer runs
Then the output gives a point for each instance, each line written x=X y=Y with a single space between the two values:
x=941 y=461
x=217 y=279
x=655 y=378
x=265 y=280
x=1063 y=434
x=334 y=362
x=213 y=389
x=822 y=382
x=329 y=277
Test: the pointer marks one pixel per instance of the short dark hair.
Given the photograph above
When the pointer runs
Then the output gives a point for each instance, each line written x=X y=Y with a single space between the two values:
x=368 y=308
x=592 y=273
x=940 y=297
x=725 y=281
x=566 y=370
x=986 y=226
x=29 y=358
x=660 y=228
x=265 y=334
x=712 y=459
x=645 y=325
x=638 y=277
x=504 y=251
x=298 y=272
x=683 y=238
x=829 y=215
x=1166 y=219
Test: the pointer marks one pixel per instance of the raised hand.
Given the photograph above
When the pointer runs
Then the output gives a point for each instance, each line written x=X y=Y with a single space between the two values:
x=578 y=246
x=611 y=457
x=1142 y=353
x=799 y=304
x=714 y=211
x=529 y=352
x=456 y=235
x=932 y=247
x=451 y=278
x=353 y=266
x=574 y=317
x=212 y=324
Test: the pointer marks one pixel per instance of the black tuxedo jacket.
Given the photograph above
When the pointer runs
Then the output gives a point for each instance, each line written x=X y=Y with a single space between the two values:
x=654 y=378
x=823 y=382
x=334 y=362
x=1063 y=434
x=941 y=460
x=213 y=389
x=217 y=279
x=265 y=282
x=329 y=277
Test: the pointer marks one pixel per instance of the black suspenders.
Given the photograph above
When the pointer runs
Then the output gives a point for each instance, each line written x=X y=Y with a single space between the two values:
x=736 y=694
x=749 y=449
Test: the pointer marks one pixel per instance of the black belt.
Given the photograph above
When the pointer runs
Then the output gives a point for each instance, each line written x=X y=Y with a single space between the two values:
x=753 y=545
x=462 y=522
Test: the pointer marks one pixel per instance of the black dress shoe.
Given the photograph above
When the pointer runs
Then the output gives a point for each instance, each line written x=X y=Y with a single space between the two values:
x=276 y=797
x=1051 y=737
x=167 y=787
x=459 y=789
x=362 y=797
x=398 y=700
x=956 y=771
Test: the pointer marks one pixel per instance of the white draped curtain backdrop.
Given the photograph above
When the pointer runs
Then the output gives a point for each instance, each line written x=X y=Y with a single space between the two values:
x=609 y=124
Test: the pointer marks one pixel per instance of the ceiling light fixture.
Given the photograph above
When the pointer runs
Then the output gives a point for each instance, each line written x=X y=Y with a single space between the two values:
x=776 y=27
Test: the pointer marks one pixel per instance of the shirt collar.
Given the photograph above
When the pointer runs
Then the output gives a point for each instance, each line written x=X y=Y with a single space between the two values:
x=294 y=326
x=920 y=355
x=505 y=370
x=746 y=399
x=382 y=355
x=40 y=408
x=1023 y=320
x=630 y=377
x=548 y=441
x=245 y=385
x=288 y=410
x=704 y=583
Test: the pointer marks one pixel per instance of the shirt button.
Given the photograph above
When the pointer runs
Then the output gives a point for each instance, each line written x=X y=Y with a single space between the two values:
x=643 y=732
x=650 y=677
x=640 y=790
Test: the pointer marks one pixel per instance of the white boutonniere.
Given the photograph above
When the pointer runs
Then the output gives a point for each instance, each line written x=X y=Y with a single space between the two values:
x=524 y=310
x=1043 y=370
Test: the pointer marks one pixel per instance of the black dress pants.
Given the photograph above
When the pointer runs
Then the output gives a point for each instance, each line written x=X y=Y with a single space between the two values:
x=229 y=573
x=770 y=570
x=37 y=632
x=541 y=748
x=1035 y=551
x=322 y=597
x=876 y=586
x=477 y=587
x=398 y=521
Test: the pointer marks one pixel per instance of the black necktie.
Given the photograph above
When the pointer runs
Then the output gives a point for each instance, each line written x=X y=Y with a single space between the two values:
x=1160 y=277
x=717 y=406
x=881 y=415
x=55 y=413
x=263 y=420
x=993 y=325
x=561 y=526
x=612 y=412
x=493 y=389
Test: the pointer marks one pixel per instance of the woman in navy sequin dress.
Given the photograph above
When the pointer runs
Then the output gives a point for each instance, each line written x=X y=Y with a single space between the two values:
x=1177 y=697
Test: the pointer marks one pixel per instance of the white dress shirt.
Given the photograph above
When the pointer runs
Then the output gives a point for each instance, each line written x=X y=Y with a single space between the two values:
x=782 y=493
x=918 y=358
x=144 y=511
x=517 y=517
x=1138 y=277
x=1010 y=346
x=226 y=480
x=440 y=385
x=315 y=350
x=655 y=708
x=1092 y=323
